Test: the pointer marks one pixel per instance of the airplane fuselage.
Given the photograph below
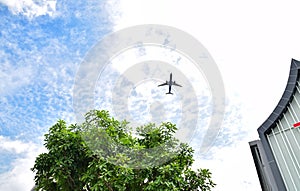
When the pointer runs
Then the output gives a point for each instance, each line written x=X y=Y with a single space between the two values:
x=170 y=84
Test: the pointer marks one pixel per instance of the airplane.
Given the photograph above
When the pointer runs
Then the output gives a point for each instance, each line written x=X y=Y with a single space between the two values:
x=170 y=83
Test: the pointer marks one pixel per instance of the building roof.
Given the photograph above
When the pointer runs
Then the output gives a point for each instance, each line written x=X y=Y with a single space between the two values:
x=284 y=101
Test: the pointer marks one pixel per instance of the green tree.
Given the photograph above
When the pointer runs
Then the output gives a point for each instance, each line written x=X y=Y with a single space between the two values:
x=102 y=155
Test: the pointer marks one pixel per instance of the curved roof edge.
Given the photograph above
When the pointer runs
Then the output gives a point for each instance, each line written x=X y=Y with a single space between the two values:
x=285 y=99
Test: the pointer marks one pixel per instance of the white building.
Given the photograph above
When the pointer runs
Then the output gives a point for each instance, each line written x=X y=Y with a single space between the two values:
x=277 y=153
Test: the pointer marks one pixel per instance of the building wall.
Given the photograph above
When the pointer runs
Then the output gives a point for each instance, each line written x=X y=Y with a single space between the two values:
x=284 y=141
x=280 y=141
x=263 y=169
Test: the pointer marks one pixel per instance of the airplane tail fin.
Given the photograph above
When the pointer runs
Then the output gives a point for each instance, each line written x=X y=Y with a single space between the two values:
x=169 y=93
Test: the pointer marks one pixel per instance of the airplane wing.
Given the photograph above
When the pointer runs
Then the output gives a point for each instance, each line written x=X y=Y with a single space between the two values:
x=163 y=84
x=175 y=84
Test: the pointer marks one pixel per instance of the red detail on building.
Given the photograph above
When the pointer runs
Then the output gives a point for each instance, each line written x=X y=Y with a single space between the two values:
x=296 y=125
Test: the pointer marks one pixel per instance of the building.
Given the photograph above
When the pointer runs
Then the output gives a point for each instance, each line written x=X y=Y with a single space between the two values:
x=277 y=154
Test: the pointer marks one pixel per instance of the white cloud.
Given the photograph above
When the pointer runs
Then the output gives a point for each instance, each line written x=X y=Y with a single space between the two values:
x=20 y=177
x=15 y=146
x=13 y=78
x=31 y=8
x=252 y=43
x=232 y=168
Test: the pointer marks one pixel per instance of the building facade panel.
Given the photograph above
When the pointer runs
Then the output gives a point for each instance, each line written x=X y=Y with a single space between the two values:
x=284 y=142
x=280 y=140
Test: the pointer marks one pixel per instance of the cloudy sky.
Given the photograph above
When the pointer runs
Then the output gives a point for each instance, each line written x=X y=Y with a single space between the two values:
x=43 y=44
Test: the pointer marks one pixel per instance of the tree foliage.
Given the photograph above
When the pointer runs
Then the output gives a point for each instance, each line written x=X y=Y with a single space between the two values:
x=102 y=155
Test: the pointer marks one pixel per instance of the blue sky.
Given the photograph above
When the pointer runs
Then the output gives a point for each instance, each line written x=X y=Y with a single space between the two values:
x=41 y=55
x=43 y=43
x=41 y=47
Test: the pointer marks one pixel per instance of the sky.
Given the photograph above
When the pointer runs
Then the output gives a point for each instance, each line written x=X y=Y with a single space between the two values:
x=44 y=43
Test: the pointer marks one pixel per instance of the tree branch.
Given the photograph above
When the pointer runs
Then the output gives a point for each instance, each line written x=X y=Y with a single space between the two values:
x=109 y=186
